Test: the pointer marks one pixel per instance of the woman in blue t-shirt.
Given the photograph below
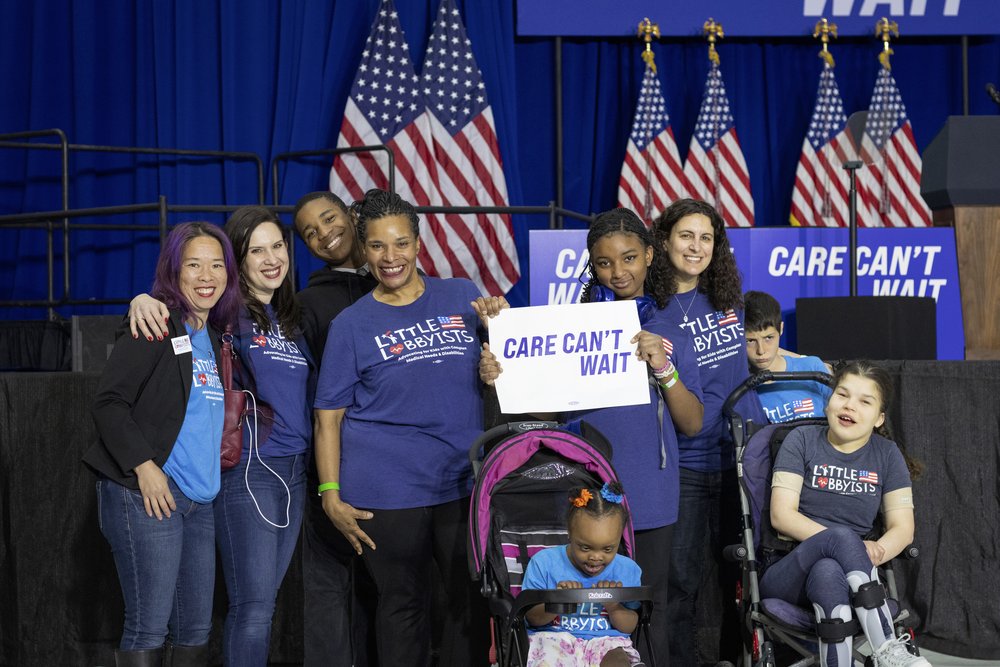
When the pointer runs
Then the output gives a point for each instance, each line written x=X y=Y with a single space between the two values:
x=159 y=413
x=706 y=300
x=258 y=512
x=829 y=484
x=397 y=407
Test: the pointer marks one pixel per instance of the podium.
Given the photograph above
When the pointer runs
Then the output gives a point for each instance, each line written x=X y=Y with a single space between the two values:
x=961 y=183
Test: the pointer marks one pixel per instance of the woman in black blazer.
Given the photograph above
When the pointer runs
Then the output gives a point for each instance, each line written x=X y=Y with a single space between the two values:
x=159 y=412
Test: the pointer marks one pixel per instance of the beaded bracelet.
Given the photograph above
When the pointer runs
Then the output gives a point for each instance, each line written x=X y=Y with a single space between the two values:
x=665 y=372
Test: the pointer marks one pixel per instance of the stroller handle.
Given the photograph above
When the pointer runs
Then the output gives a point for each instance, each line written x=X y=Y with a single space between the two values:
x=561 y=599
x=499 y=431
x=757 y=379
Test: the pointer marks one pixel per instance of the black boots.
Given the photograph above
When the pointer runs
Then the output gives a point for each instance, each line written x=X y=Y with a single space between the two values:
x=186 y=656
x=146 y=658
x=170 y=656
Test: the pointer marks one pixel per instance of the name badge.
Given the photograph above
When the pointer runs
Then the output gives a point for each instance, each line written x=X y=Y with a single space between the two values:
x=181 y=344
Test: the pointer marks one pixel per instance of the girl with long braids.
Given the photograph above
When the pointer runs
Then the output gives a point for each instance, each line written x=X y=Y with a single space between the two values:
x=624 y=266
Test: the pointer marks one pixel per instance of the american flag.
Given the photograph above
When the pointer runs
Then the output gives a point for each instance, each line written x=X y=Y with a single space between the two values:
x=386 y=107
x=451 y=321
x=819 y=198
x=668 y=347
x=716 y=170
x=468 y=169
x=891 y=177
x=727 y=317
x=802 y=407
x=652 y=176
x=869 y=476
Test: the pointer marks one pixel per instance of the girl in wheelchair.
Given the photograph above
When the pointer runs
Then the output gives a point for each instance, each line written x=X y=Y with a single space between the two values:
x=828 y=487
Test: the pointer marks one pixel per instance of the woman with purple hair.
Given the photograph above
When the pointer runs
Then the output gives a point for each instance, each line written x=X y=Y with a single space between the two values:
x=159 y=413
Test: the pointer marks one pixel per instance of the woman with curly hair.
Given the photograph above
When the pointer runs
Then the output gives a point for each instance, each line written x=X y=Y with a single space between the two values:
x=706 y=301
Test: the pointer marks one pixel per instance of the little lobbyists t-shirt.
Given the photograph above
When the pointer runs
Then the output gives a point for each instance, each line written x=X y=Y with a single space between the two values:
x=408 y=378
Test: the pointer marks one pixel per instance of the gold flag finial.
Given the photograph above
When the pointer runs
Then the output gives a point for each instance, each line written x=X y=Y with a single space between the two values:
x=714 y=32
x=647 y=31
x=886 y=30
x=824 y=30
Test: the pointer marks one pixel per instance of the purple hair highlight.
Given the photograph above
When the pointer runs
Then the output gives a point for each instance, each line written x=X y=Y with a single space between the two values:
x=166 y=284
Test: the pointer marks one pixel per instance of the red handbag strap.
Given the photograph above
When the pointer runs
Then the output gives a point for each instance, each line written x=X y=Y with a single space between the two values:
x=226 y=363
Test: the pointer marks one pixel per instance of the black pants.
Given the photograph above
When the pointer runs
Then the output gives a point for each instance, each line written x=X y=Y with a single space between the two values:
x=338 y=595
x=652 y=549
x=409 y=543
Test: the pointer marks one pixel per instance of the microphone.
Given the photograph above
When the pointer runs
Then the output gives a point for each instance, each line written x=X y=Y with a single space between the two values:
x=994 y=94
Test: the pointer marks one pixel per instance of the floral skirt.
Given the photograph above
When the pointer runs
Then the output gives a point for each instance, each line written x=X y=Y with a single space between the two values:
x=562 y=649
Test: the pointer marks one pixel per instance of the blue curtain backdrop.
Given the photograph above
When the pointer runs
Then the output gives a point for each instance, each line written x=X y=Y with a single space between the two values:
x=267 y=77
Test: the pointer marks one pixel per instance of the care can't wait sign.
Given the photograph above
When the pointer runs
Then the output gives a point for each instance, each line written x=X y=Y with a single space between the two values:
x=568 y=357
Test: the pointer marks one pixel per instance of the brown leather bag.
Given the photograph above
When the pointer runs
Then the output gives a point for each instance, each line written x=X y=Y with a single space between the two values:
x=237 y=416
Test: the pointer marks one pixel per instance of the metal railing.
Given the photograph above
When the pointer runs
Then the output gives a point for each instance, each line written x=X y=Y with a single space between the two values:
x=294 y=155
x=65 y=218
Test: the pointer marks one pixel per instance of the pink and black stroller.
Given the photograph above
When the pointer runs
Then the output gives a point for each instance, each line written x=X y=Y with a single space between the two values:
x=524 y=472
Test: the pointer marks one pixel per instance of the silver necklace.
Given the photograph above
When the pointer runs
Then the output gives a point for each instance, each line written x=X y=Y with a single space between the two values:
x=694 y=294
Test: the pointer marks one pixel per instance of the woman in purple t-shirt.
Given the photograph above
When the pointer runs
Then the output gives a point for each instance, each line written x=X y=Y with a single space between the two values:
x=706 y=300
x=829 y=484
x=397 y=406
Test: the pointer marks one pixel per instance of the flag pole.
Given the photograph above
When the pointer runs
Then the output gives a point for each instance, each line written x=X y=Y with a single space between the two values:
x=646 y=31
x=713 y=30
x=823 y=30
x=885 y=30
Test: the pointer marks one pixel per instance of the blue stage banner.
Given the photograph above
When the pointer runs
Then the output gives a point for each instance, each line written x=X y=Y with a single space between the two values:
x=791 y=262
x=763 y=18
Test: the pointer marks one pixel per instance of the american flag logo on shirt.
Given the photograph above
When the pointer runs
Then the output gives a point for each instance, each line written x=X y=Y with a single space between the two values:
x=869 y=476
x=728 y=317
x=668 y=347
x=451 y=322
x=802 y=407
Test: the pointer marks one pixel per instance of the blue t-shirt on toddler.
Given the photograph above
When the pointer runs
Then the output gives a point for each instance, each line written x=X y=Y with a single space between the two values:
x=795 y=399
x=408 y=378
x=550 y=566
x=644 y=439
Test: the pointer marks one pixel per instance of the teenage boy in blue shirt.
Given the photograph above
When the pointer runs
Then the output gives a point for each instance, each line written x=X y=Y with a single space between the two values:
x=786 y=400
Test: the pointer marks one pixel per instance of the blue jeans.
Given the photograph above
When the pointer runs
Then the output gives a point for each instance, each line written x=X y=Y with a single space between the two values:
x=255 y=553
x=707 y=522
x=816 y=570
x=166 y=568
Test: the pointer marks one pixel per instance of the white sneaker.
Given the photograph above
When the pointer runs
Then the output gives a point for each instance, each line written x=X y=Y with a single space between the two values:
x=893 y=653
